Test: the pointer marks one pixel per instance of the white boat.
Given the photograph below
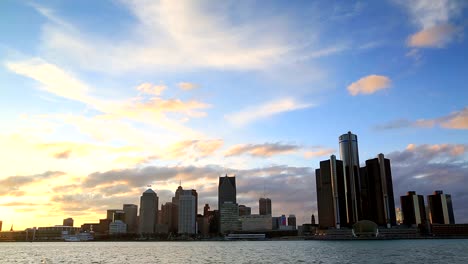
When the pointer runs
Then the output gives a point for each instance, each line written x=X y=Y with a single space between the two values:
x=72 y=239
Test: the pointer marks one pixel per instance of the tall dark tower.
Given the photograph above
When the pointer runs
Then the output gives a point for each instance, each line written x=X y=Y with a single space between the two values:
x=264 y=206
x=331 y=199
x=378 y=192
x=414 y=211
x=349 y=154
x=226 y=190
x=148 y=212
x=440 y=208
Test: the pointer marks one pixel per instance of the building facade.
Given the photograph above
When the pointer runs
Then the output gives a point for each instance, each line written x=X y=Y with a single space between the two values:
x=349 y=154
x=413 y=209
x=229 y=217
x=226 y=190
x=331 y=194
x=187 y=214
x=440 y=208
x=256 y=222
x=68 y=221
x=377 y=200
x=264 y=206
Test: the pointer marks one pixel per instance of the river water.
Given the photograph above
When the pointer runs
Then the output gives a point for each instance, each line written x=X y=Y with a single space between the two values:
x=387 y=251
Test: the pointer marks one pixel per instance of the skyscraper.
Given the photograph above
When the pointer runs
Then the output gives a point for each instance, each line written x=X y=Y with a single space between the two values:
x=413 y=209
x=131 y=211
x=148 y=212
x=226 y=190
x=187 y=214
x=349 y=154
x=331 y=198
x=377 y=192
x=440 y=208
x=264 y=206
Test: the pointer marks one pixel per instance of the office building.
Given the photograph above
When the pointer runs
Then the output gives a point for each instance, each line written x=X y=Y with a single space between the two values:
x=331 y=195
x=377 y=192
x=413 y=209
x=256 y=222
x=264 y=206
x=187 y=214
x=131 y=214
x=229 y=217
x=440 y=208
x=117 y=227
x=349 y=154
x=68 y=221
x=148 y=212
x=110 y=213
x=292 y=221
x=168 y=212
x=244 y=210
x=226 y=190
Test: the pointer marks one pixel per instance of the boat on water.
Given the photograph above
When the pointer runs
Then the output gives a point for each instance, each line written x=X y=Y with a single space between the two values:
x=243 y=237
x=72 y=239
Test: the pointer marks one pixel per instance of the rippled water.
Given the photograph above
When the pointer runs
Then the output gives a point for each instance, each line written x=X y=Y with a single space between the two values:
x=390 y=251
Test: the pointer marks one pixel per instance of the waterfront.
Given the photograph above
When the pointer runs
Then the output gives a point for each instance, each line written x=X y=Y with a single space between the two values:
x=389 y=251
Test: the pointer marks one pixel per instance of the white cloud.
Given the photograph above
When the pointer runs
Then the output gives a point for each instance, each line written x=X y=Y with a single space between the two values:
x=172 y=34
x=265 y=110
x=433 y=18
x=148 y=88
x=369 y=85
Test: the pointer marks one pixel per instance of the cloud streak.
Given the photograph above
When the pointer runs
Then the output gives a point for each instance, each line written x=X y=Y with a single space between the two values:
x=265 y=110
x=454 y=120
x=261 y=150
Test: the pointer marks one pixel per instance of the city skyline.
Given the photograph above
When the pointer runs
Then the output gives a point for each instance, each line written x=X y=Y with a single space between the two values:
x=99 y=100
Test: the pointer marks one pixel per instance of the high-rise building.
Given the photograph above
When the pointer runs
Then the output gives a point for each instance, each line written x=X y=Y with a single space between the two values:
x=292 y=221
x=377 y=192
x=1 y=223
x=349 y=154
x=312 y=219
x=331 y=198
x=187 y=214
x=226 y=190
x=264 y=206
x=440 y=208
x=148 y=212
x=68 y=221
x=244 y=210
x=413 y=209
x=131 y=213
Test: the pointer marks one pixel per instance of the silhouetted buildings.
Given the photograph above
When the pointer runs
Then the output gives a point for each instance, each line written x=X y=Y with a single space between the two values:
x=264 y=206
x=148 y=212
x=66 y=222
x=1 y=223
x=131 y=216
x=413 y=209
x=244 y=210
x=347 y=193
x=440 y=208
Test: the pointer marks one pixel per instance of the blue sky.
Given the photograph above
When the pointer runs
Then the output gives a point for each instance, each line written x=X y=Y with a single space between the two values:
x=129 y=93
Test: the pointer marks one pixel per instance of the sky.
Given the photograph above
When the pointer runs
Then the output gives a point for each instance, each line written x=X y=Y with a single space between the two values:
x=99 y=99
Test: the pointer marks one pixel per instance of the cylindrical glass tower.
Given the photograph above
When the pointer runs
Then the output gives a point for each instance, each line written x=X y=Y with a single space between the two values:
x=349 y=154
